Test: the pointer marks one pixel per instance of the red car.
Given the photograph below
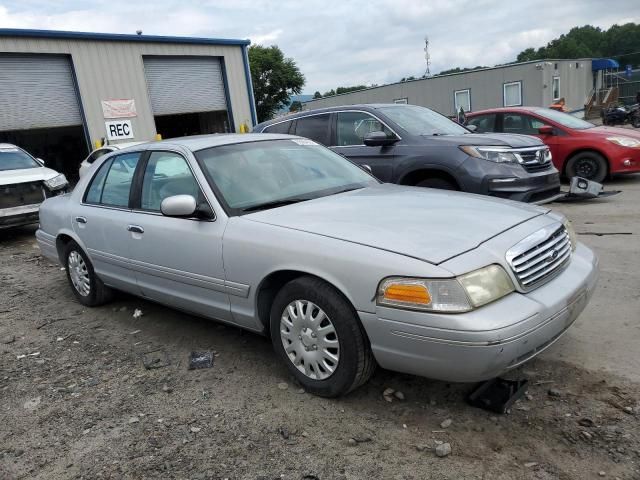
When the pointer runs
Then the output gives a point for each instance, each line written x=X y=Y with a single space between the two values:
x=578 y=147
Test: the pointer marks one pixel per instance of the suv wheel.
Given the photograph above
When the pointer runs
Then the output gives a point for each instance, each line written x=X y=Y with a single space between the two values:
x=436 y=182
x=85 y=284
x=589 y=165
x=317 y=334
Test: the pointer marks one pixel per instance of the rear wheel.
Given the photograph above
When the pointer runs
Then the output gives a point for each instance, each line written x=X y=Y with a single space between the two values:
x=436 y=182
x=589 y=165
x=85 y=284
x=316 y=333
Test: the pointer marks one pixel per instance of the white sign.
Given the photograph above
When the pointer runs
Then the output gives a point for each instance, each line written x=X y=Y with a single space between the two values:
x=119 y=129
x=122 y=108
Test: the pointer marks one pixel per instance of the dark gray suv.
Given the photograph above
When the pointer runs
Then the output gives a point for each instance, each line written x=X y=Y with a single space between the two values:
x=413 y=145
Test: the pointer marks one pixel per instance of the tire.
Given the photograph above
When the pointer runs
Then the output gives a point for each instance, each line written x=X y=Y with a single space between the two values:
x=589 y=165
x=636 y=121
x=308 y=297
x=85 y=284
x=436 y=182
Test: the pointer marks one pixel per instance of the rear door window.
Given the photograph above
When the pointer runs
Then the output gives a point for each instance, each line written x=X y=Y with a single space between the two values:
x=315 y=127
x=111 y=185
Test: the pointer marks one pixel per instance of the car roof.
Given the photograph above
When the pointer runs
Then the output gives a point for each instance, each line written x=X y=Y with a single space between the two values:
x=357 y=106
x=200 y=142
x=120 y=146
x=506 y=109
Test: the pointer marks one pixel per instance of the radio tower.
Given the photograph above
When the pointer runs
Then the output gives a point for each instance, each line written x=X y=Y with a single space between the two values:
x=427 y=57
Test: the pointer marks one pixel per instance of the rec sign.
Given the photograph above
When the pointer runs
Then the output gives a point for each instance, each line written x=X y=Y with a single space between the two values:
x=119 y=129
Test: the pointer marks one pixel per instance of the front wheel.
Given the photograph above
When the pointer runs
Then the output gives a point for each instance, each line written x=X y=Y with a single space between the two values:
x=436 y=182
x=636 y=121
x=316 y=332
x=85 y=284
x=589 y=165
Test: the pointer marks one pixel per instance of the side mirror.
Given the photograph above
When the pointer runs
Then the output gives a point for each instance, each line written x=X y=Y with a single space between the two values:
x=472 y=128
x=40 y=161
x=378 y=139
x=179 y=206
x=545 y=130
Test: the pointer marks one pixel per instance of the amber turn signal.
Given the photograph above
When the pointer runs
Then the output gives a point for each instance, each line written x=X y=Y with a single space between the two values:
x=411 y=293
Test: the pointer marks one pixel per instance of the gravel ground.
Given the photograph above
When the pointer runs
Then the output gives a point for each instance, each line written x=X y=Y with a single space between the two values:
x=77 y=402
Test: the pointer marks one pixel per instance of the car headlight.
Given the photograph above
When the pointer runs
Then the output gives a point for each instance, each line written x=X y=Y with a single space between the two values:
x=57 y=182
x=455 y=295
x=493 y=154
x=573 y=238
x=625 y=141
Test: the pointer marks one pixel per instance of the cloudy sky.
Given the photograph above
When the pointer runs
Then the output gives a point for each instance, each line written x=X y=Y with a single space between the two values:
x=341 y=43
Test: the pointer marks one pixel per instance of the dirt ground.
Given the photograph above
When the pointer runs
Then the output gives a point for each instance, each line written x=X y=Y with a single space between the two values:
x=77 y=402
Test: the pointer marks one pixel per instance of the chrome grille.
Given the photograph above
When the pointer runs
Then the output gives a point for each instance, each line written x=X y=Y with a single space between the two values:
x=541 y=256
x=533 y=160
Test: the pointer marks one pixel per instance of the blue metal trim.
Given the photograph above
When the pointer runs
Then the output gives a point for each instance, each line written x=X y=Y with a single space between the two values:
x=122 y=37
x=232 y=124
x=247 y=74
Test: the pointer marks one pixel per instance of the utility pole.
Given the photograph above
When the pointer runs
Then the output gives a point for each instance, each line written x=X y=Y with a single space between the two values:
x=427 y=57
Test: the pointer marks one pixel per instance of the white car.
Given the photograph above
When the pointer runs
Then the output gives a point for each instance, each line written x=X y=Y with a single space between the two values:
x=98 y=152
x=24 y=184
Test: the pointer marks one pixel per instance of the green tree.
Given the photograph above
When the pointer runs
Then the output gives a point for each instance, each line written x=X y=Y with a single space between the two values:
x=275 y=78
x=317 y=95
x=296 y=106
x=621 y=42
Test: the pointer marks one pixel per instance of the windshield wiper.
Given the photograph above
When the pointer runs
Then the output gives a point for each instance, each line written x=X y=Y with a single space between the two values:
x=274 y=204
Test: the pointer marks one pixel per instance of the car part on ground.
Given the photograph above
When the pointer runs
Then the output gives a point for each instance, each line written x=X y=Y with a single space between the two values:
x=24 y=184
x=498 y=394
x=579 y=148
x=342 y=271
x=412 y=145
x=583 y=189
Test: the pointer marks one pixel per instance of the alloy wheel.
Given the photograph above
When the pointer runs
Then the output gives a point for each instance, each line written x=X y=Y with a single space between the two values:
x=79 y=273
x=587 y=168
x=309 y=339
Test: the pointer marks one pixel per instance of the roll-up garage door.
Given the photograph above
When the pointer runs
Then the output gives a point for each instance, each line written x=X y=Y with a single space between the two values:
x=37 y=91
x=184 y=84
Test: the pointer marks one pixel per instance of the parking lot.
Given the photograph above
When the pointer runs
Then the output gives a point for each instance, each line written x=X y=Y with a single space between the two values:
x=78 y=402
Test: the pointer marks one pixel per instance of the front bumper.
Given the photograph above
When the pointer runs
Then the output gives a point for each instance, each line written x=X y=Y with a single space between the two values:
x=525 y=325
x=510 y=181
x=18 y=216
x=624 y=160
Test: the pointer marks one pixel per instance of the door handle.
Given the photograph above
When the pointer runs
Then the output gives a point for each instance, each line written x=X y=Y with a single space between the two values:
x=81 y=219
x=135 y=228
x=367 y=167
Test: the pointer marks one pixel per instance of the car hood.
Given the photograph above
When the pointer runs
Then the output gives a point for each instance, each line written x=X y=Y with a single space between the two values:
x=603 y=131
x=9 y=177
x=423 y=223
x=502 y=139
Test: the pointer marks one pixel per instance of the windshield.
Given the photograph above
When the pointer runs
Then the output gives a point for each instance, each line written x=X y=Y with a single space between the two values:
x=422 y=121
x=564 y=119
x=265 y=173
x=16 y=159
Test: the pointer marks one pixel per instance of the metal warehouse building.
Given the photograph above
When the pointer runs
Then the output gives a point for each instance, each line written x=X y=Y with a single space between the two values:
x=61 y=93
x=537 y=83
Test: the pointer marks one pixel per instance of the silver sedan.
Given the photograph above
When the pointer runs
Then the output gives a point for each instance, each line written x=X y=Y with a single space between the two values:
x=279 y=235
